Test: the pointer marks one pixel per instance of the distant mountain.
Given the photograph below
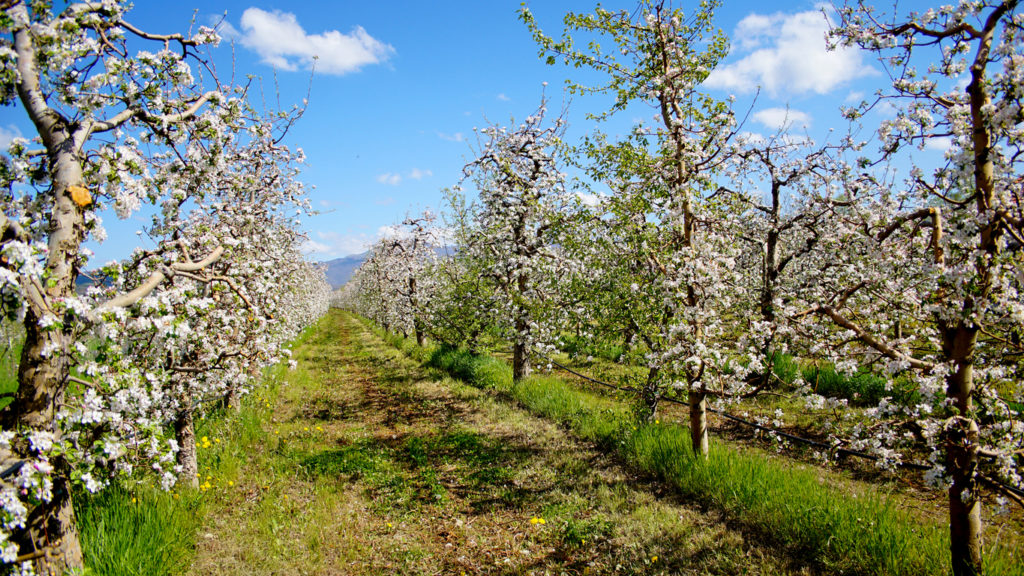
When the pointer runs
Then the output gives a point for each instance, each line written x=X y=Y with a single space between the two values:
x=340 y=270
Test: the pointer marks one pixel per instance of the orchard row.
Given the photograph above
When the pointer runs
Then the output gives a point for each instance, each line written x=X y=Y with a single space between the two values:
x=716 y=253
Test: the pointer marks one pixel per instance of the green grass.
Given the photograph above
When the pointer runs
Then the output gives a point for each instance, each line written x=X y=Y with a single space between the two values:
x=862 y=533
x=138 y=529
x=417 y=473
x=861 y=389
x=290 y=481
x=576 y=346
x=140 y=532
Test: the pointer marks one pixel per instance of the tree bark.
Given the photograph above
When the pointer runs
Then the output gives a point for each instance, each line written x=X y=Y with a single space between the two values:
x=521 y=349
x=185 y=433
x=520 y=360
x=699 y=422
x=50 y=538
x=964 y=498
x=961 y=437
x=233 y=400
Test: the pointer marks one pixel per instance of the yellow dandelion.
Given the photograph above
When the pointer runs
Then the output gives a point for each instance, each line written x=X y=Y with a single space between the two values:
x=231 y=482
x=654 y=558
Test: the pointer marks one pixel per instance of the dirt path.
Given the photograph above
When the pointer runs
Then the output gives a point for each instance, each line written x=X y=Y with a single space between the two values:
x=362 y=462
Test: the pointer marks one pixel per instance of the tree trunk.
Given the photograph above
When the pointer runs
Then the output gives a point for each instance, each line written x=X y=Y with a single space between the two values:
x=185 y=433
x=417 y=322
x=520 y=361
x=233 y=400
x=50 y=538
x=699 y=422
x=961 y=438
x=964 y=499
x=649 y=396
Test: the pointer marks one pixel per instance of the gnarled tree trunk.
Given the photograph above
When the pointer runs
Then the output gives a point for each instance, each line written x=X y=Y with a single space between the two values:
x=185 y=433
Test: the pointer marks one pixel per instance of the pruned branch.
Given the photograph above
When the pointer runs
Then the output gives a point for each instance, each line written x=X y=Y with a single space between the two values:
x=156 y=278
x=144 y=115
x=863 y=336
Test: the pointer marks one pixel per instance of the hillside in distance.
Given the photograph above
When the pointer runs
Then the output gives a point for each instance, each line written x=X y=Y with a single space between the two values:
x=341 y=269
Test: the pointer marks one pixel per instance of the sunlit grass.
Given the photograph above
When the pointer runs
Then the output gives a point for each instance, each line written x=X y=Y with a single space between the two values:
x=138 y=532
x=789 y=503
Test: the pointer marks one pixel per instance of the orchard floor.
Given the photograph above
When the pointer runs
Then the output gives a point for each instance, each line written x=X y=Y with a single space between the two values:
x=368 y=463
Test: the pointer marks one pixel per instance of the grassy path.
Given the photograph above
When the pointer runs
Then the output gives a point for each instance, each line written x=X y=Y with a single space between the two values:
x=362 y=462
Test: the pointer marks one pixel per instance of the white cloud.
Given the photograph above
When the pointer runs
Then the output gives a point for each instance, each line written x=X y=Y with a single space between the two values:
x=885 y=109
x=787 y=56
x=782 y=118
x=751 y=138
x=503 y=97
x=281 y=42
x=418 y=174
x=590 y=200
x=330 y=245
x=457 y=137
x=390 y=231
x=941 y=144
x=7 y=135
x=314 y=247
x=390 y=179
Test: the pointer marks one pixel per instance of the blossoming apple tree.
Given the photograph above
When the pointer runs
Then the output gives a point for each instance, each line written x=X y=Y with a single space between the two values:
x=957 y=231
x=511 y=233
x=116 y=127
x=662 y=178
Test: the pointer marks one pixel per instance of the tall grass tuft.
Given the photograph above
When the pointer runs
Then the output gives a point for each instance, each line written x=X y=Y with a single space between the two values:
x=141 y=532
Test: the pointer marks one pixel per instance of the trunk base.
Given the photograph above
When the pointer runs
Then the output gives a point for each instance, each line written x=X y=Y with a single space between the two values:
x=50 y=538
x=185 y=433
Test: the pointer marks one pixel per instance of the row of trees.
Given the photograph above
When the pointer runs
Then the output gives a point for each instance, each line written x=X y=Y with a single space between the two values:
x=112 y=377
x=715 y=251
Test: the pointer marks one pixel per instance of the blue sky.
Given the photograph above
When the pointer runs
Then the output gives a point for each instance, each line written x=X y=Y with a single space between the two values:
x=399 y=87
